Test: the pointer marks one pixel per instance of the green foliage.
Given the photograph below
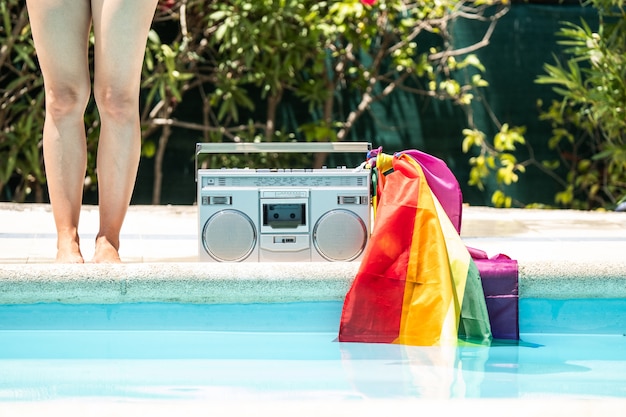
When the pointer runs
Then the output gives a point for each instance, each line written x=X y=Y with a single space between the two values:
x=241 y=52
x=495 y=159
x=21 y=115
x=589 y=121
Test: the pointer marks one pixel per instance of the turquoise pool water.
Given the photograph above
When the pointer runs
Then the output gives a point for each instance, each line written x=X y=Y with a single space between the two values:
x=289 y=351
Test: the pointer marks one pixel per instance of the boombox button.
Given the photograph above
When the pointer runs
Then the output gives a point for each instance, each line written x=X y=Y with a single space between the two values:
x=284 y=239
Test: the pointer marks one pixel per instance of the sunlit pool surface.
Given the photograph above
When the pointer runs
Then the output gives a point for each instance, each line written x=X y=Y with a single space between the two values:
x=289 y=351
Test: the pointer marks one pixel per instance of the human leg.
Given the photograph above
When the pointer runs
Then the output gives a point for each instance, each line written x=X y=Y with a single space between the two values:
x=60 y=30
x=121 y=30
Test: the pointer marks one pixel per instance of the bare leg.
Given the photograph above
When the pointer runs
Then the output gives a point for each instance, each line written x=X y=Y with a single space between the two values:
x=60 y=31
x=121 y=29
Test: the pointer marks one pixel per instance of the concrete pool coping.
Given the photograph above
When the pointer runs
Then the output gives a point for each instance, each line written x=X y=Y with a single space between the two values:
x=561 y=254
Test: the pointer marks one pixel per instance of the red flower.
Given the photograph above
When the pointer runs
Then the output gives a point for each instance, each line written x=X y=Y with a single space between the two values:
x=368 y=2
x=167 y=4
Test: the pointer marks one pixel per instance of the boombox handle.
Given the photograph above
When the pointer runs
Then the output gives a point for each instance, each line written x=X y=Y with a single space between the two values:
x=280 y=147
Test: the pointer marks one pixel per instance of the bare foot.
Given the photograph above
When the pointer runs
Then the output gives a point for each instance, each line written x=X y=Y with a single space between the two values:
x=68 y=252
x=106 y=252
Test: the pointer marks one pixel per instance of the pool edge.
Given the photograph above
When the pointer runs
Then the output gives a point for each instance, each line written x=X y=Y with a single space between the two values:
x=195 y=282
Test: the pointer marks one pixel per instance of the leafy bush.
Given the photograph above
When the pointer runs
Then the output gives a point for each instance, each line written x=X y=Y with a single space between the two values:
x=21 y=97
x=589 y=121
x=338 y=58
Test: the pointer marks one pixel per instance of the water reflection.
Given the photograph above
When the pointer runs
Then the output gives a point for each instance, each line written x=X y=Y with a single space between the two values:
x=502 y=370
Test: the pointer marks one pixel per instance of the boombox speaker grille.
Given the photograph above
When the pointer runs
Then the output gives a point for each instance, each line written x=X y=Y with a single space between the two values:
x=340 y=235
x=229 y=235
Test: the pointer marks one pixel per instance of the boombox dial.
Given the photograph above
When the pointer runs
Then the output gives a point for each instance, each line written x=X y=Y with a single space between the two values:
x=250 y=215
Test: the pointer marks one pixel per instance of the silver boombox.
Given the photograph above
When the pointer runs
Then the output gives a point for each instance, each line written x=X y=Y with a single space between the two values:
x=290 y=215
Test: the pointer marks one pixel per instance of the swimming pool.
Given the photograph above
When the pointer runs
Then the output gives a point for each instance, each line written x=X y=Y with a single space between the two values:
x=288 y=351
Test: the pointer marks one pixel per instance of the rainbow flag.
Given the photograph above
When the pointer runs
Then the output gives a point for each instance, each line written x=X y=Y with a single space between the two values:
x=417 y=283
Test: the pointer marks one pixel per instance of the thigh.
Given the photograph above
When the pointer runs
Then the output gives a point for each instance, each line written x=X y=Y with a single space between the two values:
x=121 y=30
x=60 y=30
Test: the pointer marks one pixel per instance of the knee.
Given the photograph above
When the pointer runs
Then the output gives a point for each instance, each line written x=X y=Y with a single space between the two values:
x=67 y=101
x=117 y=104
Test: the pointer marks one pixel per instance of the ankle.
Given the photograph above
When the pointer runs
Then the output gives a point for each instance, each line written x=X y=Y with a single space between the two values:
x=106 y=250
x=68 y=248
x=106 y=240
